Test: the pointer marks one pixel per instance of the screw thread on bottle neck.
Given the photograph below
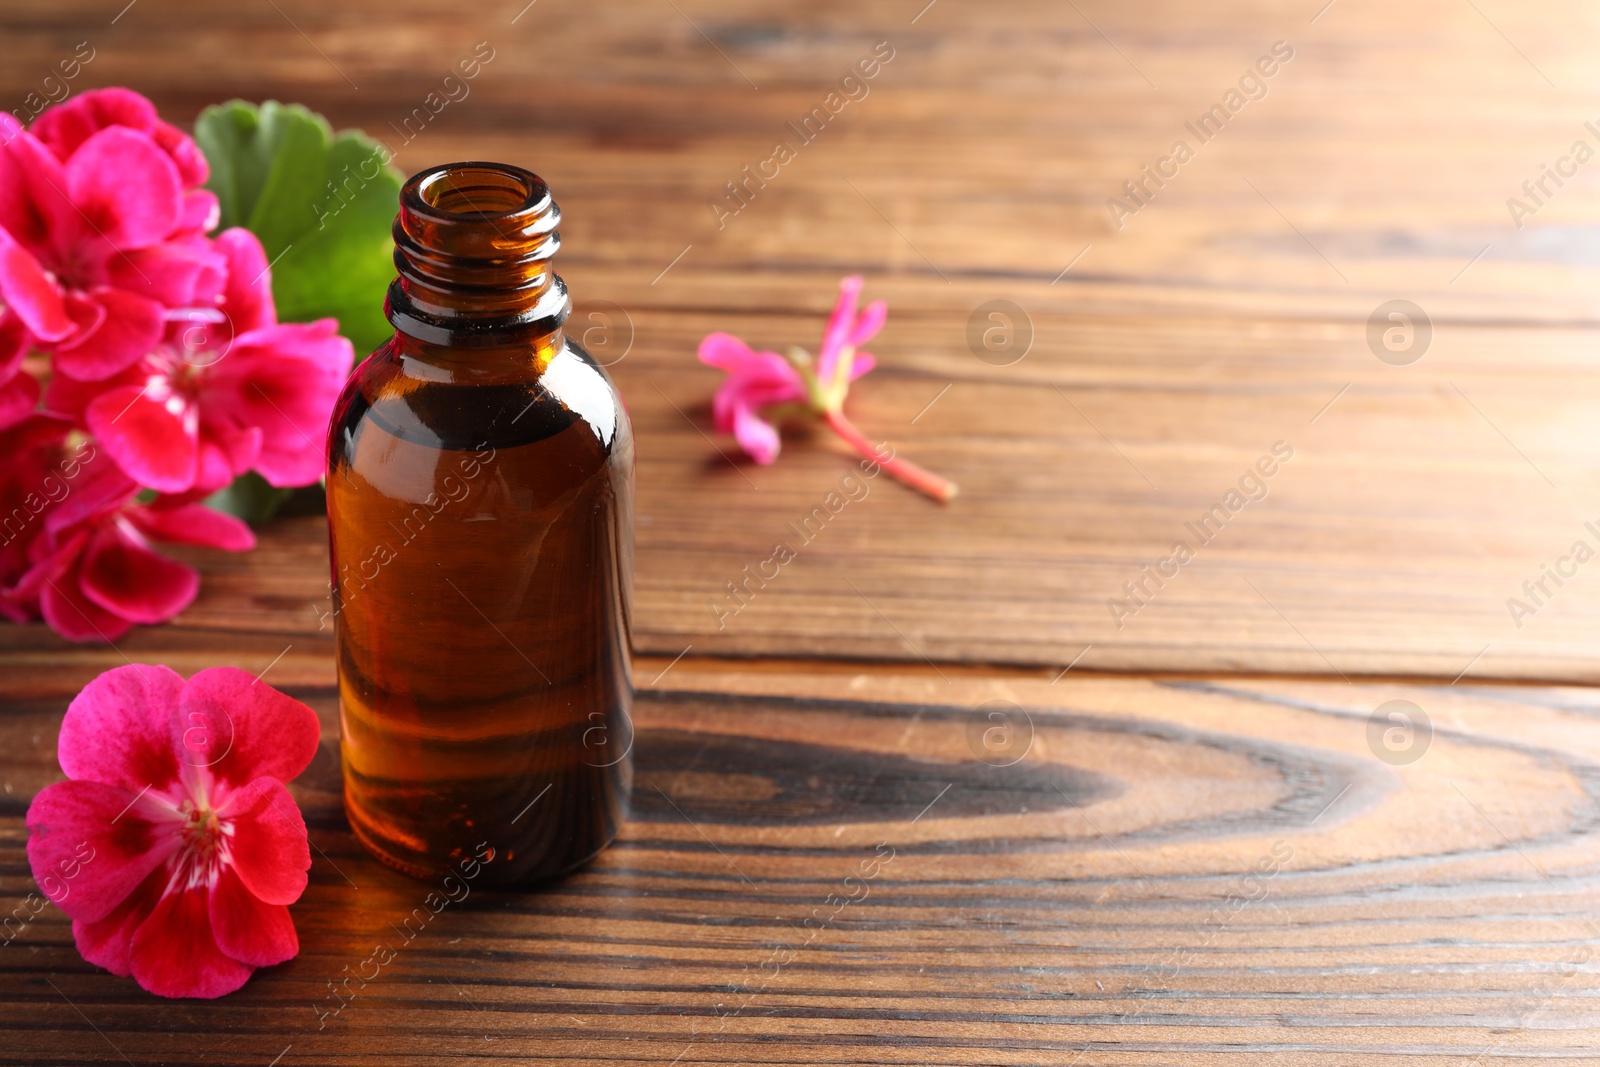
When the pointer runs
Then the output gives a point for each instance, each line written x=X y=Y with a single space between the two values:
x=472 y=245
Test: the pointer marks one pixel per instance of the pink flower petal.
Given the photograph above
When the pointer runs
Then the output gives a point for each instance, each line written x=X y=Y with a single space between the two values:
x=192 y=165
x=755 y=380
x=285 y=380
x=724 y=350
x=247 y=928
x=201 y=211
x=174 y=952
x=774 y=375
x=99 y=488
x=151 y=432
x=34 y=208
x=174 y=274
x=755 y=388
x=248 y=296
x=724 y=402
x=271 y=851
x=40 y=438
x=86 y=857
x=757 y=437
x=126 y=186
x=242 y=448
x=864 y=362
x=67 y=397
x=121 y=730
x=76 y=617
x=18 y=609
x=253 y=731
x=105 y=943
x=51 y=557
x=67 y=125
x=87 y=316
x=840 y=323
x=131 y=326
x=215 y=471
x=32 y=451
x=194 y=524
x=33 y=296
x=18 y=397
x=868 y=323
x=121 y=573
x=14 y=344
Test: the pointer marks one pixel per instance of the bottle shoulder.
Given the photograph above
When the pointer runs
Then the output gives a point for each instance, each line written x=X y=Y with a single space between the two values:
x=461 y=408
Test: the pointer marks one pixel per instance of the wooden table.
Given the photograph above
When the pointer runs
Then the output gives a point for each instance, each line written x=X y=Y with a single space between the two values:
x=1209 y=847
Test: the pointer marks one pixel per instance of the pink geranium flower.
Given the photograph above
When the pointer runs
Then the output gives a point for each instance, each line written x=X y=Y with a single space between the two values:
x=225 y=391
x=763 y=387
x=162 y=362
x=81 y=262
x=182 y=269
x=91 y=571
x=66 y=126
x=174 y=847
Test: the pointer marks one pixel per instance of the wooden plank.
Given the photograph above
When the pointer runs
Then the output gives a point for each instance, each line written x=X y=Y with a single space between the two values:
x=1169 y=871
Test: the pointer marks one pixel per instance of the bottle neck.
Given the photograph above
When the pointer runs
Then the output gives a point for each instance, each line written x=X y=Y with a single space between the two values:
x=472 y=247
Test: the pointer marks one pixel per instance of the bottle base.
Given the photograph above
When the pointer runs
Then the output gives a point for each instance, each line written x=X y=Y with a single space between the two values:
x=499 y=871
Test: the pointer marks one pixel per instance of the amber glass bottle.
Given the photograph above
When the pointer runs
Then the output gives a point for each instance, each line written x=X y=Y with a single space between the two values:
x=480 y=483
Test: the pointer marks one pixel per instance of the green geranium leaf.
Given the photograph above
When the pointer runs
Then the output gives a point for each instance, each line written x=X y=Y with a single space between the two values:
x=321 y=204
x=249 y=497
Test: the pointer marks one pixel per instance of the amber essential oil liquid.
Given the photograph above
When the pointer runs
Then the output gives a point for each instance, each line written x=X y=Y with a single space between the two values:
x=480 y=515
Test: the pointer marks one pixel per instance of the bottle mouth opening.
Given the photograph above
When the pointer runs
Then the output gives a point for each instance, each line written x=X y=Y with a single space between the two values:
x=476 y=192
x=472 y=248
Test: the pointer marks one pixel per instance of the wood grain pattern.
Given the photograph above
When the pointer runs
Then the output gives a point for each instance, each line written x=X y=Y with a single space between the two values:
x=1171 y=872
x=1220 y=319
x=1193 y=862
